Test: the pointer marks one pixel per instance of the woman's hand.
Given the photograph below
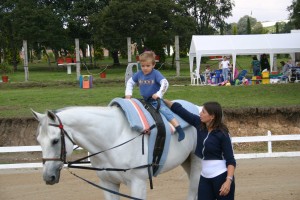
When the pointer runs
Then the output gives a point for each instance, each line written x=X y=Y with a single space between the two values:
x=225 y=189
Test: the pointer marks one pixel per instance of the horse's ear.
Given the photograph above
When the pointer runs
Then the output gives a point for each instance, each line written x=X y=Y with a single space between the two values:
x=36 y=115
x=51 y=115
x=199 y=108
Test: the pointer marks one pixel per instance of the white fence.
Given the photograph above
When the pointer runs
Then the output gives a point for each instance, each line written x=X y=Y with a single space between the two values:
x=269 y=138
x=22 y=149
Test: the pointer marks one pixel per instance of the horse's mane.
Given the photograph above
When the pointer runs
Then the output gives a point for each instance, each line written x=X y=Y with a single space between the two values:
x=45 y=121
x=74 y=107
x=63 y=109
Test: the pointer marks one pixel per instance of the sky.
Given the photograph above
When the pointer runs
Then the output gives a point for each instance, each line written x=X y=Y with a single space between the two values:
x=262 y=10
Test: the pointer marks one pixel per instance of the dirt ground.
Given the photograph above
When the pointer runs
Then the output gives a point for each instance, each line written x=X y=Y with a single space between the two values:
x=256 y=179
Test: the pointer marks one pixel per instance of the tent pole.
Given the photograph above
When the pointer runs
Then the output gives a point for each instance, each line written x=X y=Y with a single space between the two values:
x=234 y=65
x=293 y=58
x=191 y=59
x=271 y=61
x=198 y=61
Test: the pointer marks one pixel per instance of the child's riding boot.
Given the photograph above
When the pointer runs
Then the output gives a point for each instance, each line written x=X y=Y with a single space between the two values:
x=180 y=132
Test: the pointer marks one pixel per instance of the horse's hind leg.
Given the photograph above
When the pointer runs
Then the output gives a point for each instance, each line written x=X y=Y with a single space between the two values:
x=110 y=186
x=192 y=166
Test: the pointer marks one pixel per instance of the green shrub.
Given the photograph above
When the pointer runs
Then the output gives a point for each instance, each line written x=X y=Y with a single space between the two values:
x=5 y=68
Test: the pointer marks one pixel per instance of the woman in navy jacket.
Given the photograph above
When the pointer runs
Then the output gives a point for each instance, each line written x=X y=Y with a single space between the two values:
x=214 y=147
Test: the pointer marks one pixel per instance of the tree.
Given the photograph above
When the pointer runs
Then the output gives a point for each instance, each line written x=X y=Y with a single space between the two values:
x=39 y=26
x=257 y=28
x=277 y=27
x=248 y=26
x=209 y=15
x=46 y=24
x=78 y=21
x=294 y=10
x=150 y=24
x=286 y=27
x=9 y=35
x=30 y=20
x=243 y=24
x=234 y=29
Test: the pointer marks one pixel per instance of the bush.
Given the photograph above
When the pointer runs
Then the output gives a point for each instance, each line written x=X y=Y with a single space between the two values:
x=5 y=68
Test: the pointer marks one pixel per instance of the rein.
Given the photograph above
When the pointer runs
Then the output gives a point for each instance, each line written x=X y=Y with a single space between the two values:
x=63 y=154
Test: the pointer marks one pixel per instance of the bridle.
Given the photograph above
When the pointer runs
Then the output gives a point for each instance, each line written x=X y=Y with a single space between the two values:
x=63 y=152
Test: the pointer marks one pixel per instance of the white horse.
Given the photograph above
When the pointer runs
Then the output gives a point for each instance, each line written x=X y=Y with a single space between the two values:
x=99 y=128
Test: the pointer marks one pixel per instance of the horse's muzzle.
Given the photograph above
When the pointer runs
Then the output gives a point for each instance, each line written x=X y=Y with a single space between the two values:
x=51 y=176
x=51 y=180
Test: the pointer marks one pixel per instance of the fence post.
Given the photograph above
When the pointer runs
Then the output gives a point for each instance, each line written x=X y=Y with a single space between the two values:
x=129 y=54
x=269 y=142
x=77 y=49
x=25 y=56
x=177 y=55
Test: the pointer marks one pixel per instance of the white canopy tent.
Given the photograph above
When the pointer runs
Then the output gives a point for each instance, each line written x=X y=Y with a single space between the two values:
x=214 y=45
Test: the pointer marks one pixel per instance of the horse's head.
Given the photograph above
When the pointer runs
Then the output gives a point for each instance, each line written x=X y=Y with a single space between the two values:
x=51 y=135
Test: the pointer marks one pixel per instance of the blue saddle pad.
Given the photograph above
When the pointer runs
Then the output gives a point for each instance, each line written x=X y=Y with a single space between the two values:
x=137 y=122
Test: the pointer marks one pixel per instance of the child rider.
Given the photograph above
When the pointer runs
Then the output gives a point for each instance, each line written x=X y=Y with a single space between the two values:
x=152 y=85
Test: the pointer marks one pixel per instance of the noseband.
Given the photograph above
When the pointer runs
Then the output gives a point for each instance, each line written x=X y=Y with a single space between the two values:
x=63 y=151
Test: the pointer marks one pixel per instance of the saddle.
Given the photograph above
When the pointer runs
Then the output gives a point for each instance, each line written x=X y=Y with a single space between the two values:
x=142 y=117
x=161 y=134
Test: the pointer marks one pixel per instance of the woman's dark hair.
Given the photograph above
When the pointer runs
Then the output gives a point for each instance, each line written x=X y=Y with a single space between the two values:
x=214 y=108
x=254 y=57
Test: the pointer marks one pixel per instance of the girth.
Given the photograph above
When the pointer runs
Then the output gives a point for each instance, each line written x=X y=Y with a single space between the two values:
x=161 y=133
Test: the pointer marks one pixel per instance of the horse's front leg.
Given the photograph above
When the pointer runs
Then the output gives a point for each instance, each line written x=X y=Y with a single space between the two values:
x=110 y=186
x=138 y=188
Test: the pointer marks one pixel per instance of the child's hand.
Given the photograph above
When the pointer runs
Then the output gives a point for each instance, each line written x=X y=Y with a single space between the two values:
x=155 y=96
x=128 y=97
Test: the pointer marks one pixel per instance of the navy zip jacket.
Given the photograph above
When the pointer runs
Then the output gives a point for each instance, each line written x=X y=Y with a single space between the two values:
x=214 y=146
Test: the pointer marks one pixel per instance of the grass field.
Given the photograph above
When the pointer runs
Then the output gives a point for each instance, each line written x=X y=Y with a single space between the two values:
x=52 y=88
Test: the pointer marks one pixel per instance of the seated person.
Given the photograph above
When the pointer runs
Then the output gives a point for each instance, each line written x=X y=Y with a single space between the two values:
x=285 y=70
x=207 y=74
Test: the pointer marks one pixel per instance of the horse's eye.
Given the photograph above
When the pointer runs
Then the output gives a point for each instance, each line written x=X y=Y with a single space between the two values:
x=55 y=141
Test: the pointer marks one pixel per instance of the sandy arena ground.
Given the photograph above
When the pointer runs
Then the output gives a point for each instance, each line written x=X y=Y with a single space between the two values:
x=256 y=179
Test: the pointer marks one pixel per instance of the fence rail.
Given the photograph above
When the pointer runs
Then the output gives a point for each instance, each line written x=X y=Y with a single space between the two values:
x=269 y=138
x=16 y=149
